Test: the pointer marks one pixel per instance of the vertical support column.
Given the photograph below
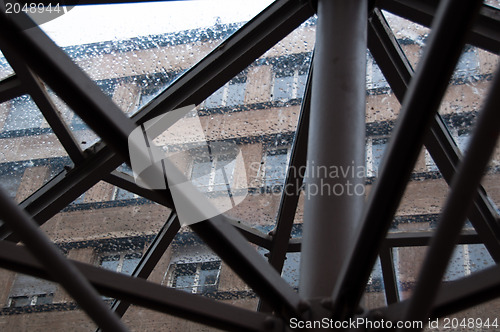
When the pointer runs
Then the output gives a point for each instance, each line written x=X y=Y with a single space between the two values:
x=336 y=145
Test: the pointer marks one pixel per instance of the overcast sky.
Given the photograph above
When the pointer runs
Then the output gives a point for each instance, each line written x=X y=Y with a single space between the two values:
x=86 y=24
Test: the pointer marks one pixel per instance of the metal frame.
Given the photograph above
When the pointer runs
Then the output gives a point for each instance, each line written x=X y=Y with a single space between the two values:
x=36 y=59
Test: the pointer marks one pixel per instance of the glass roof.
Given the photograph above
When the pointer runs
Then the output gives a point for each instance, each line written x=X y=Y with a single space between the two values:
x=134 y=61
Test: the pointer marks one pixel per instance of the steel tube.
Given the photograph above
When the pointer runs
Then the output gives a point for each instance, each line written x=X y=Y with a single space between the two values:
x=335 y=152
x=463 y=189
x=59 y=268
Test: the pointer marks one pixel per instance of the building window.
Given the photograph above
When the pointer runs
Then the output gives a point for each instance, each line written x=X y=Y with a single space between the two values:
x=467 y=259
x=214 y=172
x=276 y=166
x=30 y=291
x=468 y=64
x=196 y=277
x=289 y=83
x=231 y=94
x=375 y=148
x=24 y=114
x=124 y=262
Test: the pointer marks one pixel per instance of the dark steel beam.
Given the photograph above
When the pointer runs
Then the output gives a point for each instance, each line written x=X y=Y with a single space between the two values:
x=420 y=239
x=291 y=189
x=455 y=296
x=11 y=87
x=336 y=139
x=485 y=32
x=151 y=258
x=389 y=275
x=446 y=154
x=463 y=189
x=467 y=292
x=149 y=295
x=39 y=94
x=251 y=234
x=127 y=182
x=406 y=239
x=59 y=268
x=439 y=142
x=420 y=105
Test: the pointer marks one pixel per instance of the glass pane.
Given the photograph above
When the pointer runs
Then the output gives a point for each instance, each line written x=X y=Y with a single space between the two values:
x=5 y=68
x=132 y=61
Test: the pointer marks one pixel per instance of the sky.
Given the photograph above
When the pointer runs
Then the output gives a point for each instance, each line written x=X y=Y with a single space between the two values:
x=87 y=24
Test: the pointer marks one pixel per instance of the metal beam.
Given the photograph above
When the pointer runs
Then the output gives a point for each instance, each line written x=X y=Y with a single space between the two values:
x=11 y=87
x=151 y=258
x=336 y=140
x=439 y=142
x=57 y=265
x=291 y=189
x=419 y=107
x=454 y=296
x=251 y=234
x=467 y=292
x=485 y=32
x=406 y=239
x=39 y=94
x=125 y=181
x=389 y=275
x=463 y=189
x=149 y=295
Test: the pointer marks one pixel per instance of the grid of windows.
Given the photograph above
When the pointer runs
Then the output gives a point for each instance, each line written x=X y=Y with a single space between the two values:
x=196 y=277
x=31 y=291
x=275 y=166
x=214 y=172
x=121 y=262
